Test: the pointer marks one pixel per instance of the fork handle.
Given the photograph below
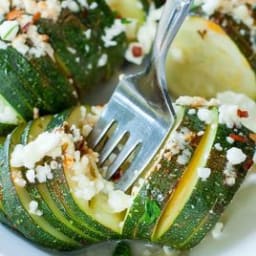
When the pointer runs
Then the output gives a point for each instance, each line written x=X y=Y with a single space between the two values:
x=174 y=14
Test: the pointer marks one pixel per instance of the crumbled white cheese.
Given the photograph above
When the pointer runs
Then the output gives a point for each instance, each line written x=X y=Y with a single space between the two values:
x=83 y=3
x=43 y=173
x=111 y=32
x=93 y=6
x=88 y=33
x=4 y=7
x=28 y=155
x=178 y=142
x=243 y=102
x=191 y=111
x=218 y=147
x=210 y=6
x=200 y=133
x=71 y=5
x=184 y=157
x=217 y=231
x=205 y=115
x=203 y=173
x=228 y=116
x=196 y=101
x=33 y=208
x=119 y=201
x=18 y=179
x=242 y=13
x=230 y=140
x=236 y=156
x=30 y=175
x=71 y=50
x=103 y=60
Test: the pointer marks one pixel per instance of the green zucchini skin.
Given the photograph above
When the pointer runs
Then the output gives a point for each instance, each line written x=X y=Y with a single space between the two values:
x=18 y=97
x=152 y=197
x=54 y=85
x=17 y=214
x=82 y=64
x=40 y=193
x=60 y=192
x=3 y=216
x=6 y=128
x=29 y=90
x=209 y=198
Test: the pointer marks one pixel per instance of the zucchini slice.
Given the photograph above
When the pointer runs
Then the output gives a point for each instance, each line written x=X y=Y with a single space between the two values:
x=211 y=59
x=40 y=193
x=16 y=202
x=178 y=198
x=78 y=44
x=162 y=178
x=199 y=199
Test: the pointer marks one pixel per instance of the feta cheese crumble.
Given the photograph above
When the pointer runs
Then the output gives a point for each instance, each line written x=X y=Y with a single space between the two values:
x=33 y=208
x=46 y=144
x=65 y=148
x=203 y=173
x=235 y=156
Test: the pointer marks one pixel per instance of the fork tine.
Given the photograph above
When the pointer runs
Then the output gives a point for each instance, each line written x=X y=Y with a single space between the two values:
x=112 y=143
x=128 y=148
x=132 y=173
x=99 y=131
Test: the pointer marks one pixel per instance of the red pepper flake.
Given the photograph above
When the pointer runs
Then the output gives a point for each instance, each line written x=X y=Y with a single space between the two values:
x=237 y=137
x=137 y=51
x=36 y=17
x=242 y=113
x=117 y=175
x=248 y=164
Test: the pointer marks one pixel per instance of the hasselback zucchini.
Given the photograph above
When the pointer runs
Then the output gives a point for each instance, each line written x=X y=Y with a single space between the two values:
x=52 y=56
x=163 y=176
x=16 y=201
x=216 y=44
x=176 y=201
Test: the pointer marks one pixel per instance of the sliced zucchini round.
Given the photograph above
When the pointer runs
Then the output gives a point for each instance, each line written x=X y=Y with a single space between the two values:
x=204 y=59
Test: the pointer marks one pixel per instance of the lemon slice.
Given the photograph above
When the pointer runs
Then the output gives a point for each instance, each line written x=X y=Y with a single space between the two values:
x=203 y=60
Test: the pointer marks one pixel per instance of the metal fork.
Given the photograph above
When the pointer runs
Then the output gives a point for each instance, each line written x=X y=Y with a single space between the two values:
x=140 y=106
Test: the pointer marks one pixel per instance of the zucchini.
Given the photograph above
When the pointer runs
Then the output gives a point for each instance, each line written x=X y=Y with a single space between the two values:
x=197 y=203
x=73 y=49
x=16 y=205
x=39 y=191
x=53 y=83
x=176 y=204
x=162 y=178
x=205 y=52
x=62 y=189
x=60 y=192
